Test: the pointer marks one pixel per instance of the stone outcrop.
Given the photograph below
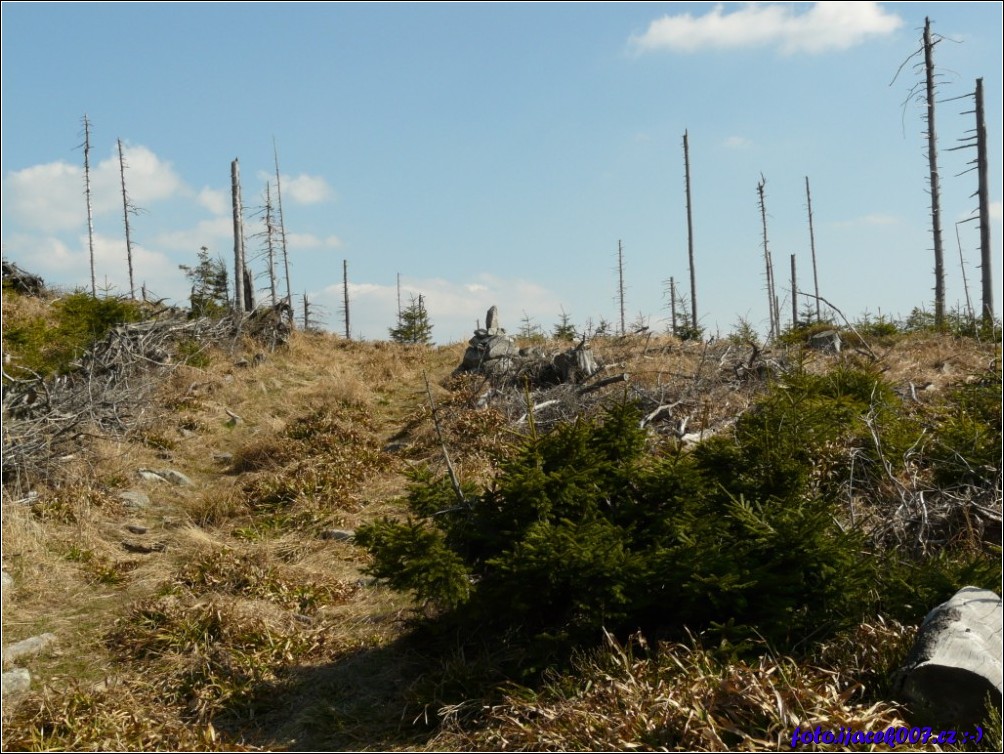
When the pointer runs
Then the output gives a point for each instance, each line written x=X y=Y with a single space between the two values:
x=955 y=663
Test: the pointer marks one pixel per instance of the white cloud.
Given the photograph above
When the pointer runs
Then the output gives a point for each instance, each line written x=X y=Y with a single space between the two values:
x=996 y=210
x=148 y=178
x=217 y=234
x=306 y=189
x=825 y=27
x=454 y=307
x=50 y=197
x=737 y=142
x=213 y=200
x=57 y=262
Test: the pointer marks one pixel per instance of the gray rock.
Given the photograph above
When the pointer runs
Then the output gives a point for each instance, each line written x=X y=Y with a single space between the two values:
x=492 y=324
x=135 y=529
x=148 y=475
x=8 y=585
x=175 y=477
x=956 y=661
x=135 y=498
x=15 y=682
x=27 y=647
x=339 y=535
x=828 y=341
x=489 y=353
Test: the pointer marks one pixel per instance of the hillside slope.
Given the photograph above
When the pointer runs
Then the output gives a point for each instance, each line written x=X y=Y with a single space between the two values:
x=228 y=607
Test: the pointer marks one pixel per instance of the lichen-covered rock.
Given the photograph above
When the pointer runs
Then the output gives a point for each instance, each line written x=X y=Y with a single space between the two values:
x=27 y=647
x=15 y=683
x=955 y=663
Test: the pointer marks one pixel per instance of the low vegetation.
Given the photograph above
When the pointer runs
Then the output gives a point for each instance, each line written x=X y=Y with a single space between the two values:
x=734 y=541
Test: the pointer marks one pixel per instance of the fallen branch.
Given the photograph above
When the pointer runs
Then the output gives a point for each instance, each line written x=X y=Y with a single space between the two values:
x=454 y=480
x=624 y=377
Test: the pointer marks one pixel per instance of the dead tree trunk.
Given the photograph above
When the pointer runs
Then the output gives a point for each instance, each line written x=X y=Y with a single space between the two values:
x=965 y=279
x=306 y=313
x=812 y=247
x=984 y=195
x=87 y=196
x=270 y=242
x=794 y=294
x=690 y=234
x=399 y=297
x=932 y=159
x=672 y=304
x=282 y=226
x=235 y=194
x=345 y=297
x=771 y=299
x=620 y=284
x=126 y=210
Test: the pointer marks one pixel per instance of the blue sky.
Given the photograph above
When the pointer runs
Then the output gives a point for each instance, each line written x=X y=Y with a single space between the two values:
x=497 y=153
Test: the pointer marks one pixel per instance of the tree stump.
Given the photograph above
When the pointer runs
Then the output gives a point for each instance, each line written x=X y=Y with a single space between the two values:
x=956 y=661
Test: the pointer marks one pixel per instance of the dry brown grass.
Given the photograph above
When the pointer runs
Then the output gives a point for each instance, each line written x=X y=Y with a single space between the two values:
x=677 y=698
x=306 y=651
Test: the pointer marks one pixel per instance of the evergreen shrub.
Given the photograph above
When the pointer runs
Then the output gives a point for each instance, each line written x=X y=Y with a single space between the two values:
x=585 y=529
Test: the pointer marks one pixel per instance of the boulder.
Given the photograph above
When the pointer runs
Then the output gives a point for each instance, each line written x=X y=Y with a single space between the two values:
x=27 y=647
x=14 y=683
x=827 y=341
x=135 y=498
x=956 y=661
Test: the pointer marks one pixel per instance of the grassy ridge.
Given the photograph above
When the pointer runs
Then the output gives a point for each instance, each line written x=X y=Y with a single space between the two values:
x=247 y=625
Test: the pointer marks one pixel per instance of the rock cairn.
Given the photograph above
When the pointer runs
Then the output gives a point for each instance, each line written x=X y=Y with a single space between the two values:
x=491 y=351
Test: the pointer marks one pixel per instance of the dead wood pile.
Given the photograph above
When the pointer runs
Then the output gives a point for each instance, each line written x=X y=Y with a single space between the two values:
x=108 y=390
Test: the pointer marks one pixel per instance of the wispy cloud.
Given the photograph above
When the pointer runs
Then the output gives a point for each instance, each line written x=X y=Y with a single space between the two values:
x=302 y=188
x=51 y=196
x=53 y=258
x=737 y=142
x=213 y=200
x=825 y=27
x=996 y=210
x=454 y=306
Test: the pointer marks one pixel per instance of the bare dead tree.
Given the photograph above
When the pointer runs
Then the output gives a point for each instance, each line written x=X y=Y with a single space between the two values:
x=984 y=196
x=282 y=224
x=620 y=284
x=399 y=297
x=962 y=266
x=768 y=263
x=235 y=193
x=270 y=241
x=794 y=294
x=812 y=247
x=690 y=233
x=345 y=298
x=929 y=91
x=87 y=194
x=672 y=303
x=932 y=158
x=977 y=140
x=127 y=209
